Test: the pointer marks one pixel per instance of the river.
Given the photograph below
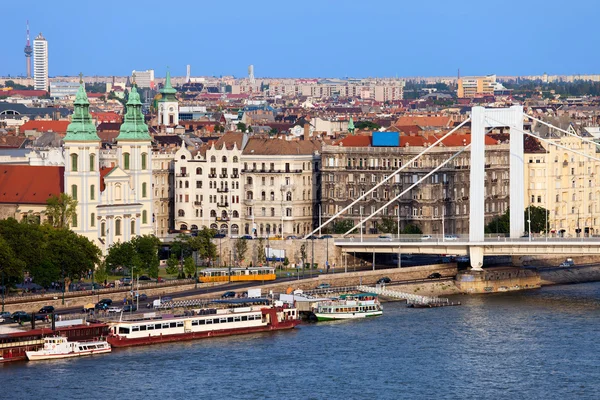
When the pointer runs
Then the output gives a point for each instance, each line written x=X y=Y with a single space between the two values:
x=540 y=344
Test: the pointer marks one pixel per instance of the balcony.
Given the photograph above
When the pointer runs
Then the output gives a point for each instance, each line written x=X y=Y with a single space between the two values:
x=222 y=176
x=222 y=190
x=222 y=219
x=248 y=202
x=235 y=176
x=248 y=186
x=212 y=175
x=182 y=175
x=224 y=204
x=198 y=203
x=494 y=180
x=465 y=197
x=288 y=187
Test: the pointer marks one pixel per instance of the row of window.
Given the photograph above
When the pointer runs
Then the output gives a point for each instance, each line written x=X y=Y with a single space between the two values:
x=93 y=192
x=195 y=322
x=92 y=159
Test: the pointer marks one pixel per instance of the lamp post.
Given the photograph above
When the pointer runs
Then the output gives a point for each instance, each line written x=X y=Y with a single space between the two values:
x=529 y=221
x=3 y=290
x=398 y=227
x=63 y=285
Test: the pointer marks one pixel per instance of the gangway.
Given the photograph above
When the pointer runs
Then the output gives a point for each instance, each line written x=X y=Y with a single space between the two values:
x=411 y=299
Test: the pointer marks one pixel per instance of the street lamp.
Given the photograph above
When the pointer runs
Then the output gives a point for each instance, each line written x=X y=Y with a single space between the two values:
x=3 y=290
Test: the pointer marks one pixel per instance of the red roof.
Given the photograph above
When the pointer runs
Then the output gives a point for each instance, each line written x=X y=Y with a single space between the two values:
x=45 y=126
x=103 y=172
x=355 y=141
x=425 y=121
x=24 y=93
x=26 y=184
x=106 y=117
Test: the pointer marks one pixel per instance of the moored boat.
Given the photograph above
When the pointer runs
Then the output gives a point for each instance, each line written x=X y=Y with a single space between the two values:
x=59 y=347
x=203 y=323
x=351 y=306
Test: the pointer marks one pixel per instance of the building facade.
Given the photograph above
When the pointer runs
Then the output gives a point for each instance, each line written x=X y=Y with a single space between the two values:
x=40 y=63
x=164 y=191
x=168 y=106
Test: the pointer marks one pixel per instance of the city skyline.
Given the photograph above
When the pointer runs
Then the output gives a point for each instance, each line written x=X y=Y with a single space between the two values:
x=324 y=40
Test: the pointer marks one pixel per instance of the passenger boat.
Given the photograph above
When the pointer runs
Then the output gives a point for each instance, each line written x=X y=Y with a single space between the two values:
x=203 y=323
x=13 y=346
x=351 y=306
x=59 y=347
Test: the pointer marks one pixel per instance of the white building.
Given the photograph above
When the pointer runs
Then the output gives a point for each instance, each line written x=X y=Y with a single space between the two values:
x=144 y=79
x=61 y=90
x=40 y=62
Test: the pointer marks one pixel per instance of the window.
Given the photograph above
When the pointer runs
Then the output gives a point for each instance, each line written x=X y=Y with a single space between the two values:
x=213 y=159
x=103 y=229
x=118 y=227
x=92 y=192
x=235 y=159
x=181 y=213
x=125 y=160
x=74 y=192
x=144 y=189
x=198 y=171
x=144 y=217
x=144 y=160
x=132 y=227
x=92 y=162
x=93 y=219
x=74 y=162
x=74 y=221
x=288 y=196
x=224 y=159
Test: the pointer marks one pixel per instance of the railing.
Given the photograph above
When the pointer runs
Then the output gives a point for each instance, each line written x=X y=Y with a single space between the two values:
x=222 y=190
x=409 y=297
x=223 y=176
x=212 y=175
x=225 y=204
x=183 y=175
x=198 y=203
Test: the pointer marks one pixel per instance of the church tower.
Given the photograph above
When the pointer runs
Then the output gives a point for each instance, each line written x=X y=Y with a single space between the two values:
x=168 y=107
x=82 y=176
x=134 y=158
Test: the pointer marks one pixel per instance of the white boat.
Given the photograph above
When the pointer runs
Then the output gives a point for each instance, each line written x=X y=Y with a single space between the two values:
x=58 y=347
x=349 y=307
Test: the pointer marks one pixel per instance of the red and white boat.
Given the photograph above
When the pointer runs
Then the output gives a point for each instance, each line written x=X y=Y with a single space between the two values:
x=203 y=323
x=59 y=347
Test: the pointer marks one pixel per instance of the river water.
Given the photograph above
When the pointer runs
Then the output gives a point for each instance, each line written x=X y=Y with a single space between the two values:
x=540 y=344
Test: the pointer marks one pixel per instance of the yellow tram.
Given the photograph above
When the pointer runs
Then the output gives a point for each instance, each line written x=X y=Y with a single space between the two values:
x=237 y=274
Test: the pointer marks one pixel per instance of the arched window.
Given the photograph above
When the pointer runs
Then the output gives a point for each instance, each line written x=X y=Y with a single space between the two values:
x=118 y=227
x=288 y=212
x=144 y=217
x=125 y=160
x=93 y=219
x=92 y=192
x=74 y=192
x=235 y=229
x=198 y=171
x=288 y=196
x=236 y=214
x=224 y=159
x=224 y=214
x=132 y=227
x=183 y=227
x=249 y=195
x=144 y=160
x=249 y=180
x=194 y=227
x=92 y=162
x=263 y=196
x=213 y=159
x=181 y=213
x=235 y=159
x=144 y=189
x=213 y=214
x=103 y=229
x=74 y=158
x=183 y=157
x=272 y=196
x=187 y=184
x=74 y=221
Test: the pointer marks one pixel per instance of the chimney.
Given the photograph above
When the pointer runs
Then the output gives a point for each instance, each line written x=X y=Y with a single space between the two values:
x=306 y=131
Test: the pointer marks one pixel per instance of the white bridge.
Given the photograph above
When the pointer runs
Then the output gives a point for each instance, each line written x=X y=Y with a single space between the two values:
x=476 y=245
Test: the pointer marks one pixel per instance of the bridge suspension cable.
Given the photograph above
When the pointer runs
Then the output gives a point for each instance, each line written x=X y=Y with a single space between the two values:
x=404 y=166
x=562 y=130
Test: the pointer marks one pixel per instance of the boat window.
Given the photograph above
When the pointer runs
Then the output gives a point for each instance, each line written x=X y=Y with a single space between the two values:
x=150 y=327
x=244 y=318
x=209 y=321
x=216 y=321
x=180 y=324
x=142 y=327
x=157 y=326
x=230 y=319
x=173 y=324
x=201 y=322
x=123 y=330
x=165 y=325
x=135 y=328
x=195 y=322
x=223 y=320
x=237 y=319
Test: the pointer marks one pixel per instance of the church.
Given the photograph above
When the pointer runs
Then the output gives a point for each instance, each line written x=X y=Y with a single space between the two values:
x=114 y=203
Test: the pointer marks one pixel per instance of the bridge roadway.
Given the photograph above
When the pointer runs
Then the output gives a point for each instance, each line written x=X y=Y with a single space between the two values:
x=499 y=246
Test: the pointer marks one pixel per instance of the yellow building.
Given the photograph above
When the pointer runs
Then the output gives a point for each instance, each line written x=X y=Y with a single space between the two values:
x=566 y=184
x=472 y=86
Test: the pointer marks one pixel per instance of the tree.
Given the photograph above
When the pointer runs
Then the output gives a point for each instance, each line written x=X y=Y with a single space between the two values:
x=123 y=255
x=172 y=265
x=499 y=224
x=100 y=274
x=387 y=225
x=74 y=254
x=342 y=226
x=367 y=125
x=146 y=248
x=241 y=126
x=539 y=218
x=189 y=266
x=260 y=251
x=10 y=265
x=61 y=209
x=303 y=253
x=411 y=229
x=240 y=248
x=202 y=244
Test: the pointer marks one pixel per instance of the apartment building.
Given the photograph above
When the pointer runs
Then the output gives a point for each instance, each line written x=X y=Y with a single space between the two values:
x=438 y=205
x=164 y=193
x=472 y=86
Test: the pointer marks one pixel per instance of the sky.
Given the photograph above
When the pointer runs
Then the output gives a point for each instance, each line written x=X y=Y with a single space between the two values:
x=309 y=38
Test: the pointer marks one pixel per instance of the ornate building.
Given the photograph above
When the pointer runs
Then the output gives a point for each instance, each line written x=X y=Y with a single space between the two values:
x=114 y=203
x=168 y=106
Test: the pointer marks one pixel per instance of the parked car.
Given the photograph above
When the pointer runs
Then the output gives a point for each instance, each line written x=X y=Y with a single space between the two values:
x=326 y=237
x=384 y=279
x=312 y=237
x=434 y=275
x=228 y=295
x=145 y=278
x=106 y=301
x=160 y=280
x=426 y=237
x=101 y=306
x=41 y=317
x=247 y=237
x=219 y=235
x=291 y=237
x=89 y=307
x=567 y=263
x=143 y=297
x=5 y=314
x=450 y=237
x=114 y=309
x=19 y=316
x=385 y=238
x=324 y=286
x=46 y=310
x=126 y=281
x=129 y=308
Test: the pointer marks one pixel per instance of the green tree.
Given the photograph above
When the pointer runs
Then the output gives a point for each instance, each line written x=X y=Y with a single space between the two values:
x=499 y=224
x=240 y=247
x=61 y=209
x=342 y=226
x=367 y=125
x=123 y=255
x=241 y=126
x=387 y=225
x=202 y=244
x=146 y=247
x=411 y=229
x=303 y=253
x=100 y=274
x=539 y=219
x=189 y=266
x=10 y=265
x=75 y=254
x=172 y=265
x=260 y=251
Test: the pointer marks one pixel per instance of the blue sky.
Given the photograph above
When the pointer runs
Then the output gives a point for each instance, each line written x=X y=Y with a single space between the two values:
x=309 y=38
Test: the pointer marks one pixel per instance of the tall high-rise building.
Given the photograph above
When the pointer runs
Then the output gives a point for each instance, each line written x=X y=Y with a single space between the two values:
x=144 y=79
x=28 y=53
x=251 y=73
x=40 y=63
